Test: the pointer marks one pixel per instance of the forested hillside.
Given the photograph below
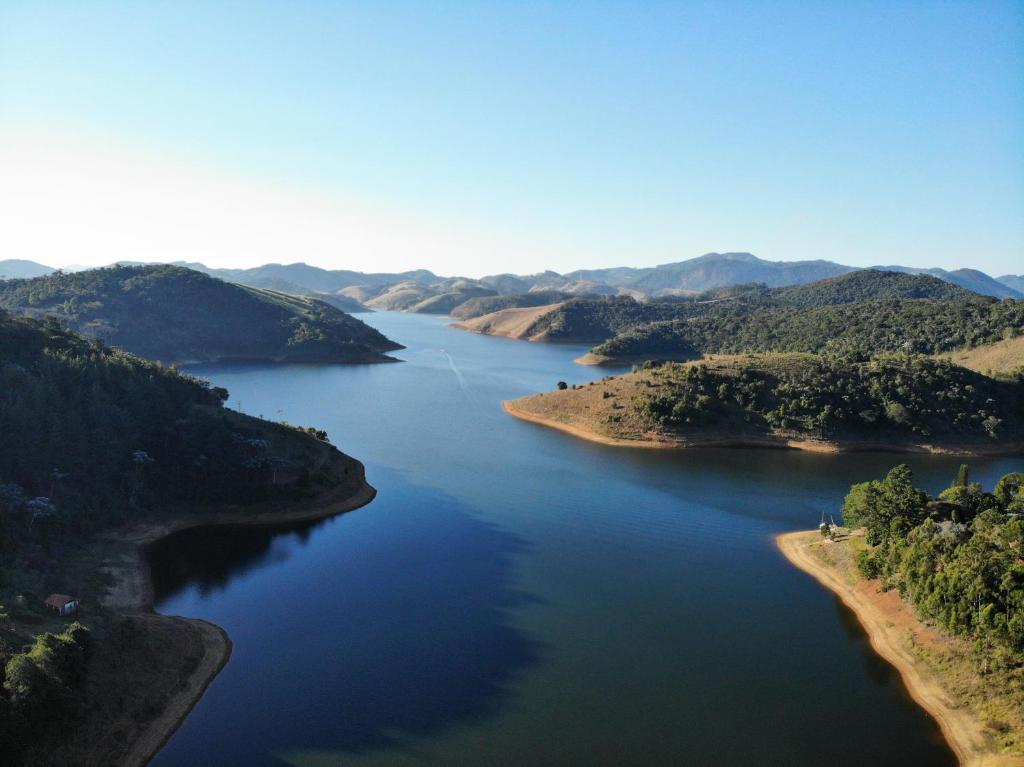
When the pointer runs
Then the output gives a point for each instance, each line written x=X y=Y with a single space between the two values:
x=174 y=314
x=858 y=329
x=94 y=438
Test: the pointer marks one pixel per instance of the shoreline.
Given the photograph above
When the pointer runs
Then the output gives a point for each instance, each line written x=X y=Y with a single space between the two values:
x=132 y=594
x=599 y=360
x=217 y=649
x=780 y=443
x=964 y=731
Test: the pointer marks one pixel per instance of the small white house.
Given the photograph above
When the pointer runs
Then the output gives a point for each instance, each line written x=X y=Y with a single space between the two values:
x=62 y=604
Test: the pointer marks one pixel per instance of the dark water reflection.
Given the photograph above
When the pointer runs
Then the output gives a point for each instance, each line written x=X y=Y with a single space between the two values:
x=383 y=644
x=515 y=596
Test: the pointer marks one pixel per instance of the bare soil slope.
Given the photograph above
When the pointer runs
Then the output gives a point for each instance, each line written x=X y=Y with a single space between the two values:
x=509 y=323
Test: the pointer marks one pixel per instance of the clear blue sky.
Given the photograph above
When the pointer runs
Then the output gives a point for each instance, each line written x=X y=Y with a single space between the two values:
x=481 y=137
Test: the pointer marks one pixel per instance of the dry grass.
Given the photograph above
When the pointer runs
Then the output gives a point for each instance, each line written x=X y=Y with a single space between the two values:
x=992 y=359
x=510 y=323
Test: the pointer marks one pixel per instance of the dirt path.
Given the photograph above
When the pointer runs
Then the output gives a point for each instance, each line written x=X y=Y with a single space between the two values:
x=886 y=619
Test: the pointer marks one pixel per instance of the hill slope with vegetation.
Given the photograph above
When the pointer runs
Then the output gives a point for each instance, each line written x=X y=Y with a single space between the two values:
x=897 y=402
x=601 y=319
x=175 y=314
x=97 y=439
x=858 y=329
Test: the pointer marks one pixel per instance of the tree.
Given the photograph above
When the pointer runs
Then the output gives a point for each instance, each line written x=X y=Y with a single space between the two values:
x=859 y=506
x=1008 y=489
x=562 y=386
x=962 y=475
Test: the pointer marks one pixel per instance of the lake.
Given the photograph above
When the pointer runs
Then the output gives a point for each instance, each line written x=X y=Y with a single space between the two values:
x=515 y=596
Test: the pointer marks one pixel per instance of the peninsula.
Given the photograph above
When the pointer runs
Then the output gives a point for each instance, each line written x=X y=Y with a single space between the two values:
x=107 y=452
x=903 y=573
x=896 y=403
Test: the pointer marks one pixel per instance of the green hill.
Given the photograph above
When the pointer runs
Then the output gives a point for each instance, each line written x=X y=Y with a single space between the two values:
x=868 y=285
x=174 y=314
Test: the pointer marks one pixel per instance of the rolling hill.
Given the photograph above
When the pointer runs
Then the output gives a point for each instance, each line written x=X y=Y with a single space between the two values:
x=174 y=314
x=1013 y=281
x=972 y=279
x=17 y=269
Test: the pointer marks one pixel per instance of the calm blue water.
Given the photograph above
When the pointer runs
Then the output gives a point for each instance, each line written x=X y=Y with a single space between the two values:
x=515 y=596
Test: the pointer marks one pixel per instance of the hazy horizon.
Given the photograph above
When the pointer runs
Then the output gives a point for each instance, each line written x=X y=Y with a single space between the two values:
x=476 y=139
x=74 y=266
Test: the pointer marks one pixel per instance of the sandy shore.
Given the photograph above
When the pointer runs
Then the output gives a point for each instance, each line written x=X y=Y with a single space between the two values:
x=709 y=439
x=132 y=593
x=599 y=360
x=887 y=620
x=659 y=443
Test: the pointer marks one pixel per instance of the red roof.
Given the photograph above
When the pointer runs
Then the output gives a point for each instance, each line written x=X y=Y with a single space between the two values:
x=58 y=600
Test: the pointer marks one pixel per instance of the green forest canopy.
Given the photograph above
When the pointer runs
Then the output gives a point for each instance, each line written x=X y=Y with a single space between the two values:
x=958 y=558
x=890 y=397
x=94 y=436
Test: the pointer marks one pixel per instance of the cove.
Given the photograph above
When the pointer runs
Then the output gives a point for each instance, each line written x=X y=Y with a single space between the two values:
x=516 y=596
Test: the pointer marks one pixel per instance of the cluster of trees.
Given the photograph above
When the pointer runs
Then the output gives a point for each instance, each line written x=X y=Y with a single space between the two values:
x=890 y=396
x=958 y=558
x=93 y=436
x=38 y=686
x=174 y=314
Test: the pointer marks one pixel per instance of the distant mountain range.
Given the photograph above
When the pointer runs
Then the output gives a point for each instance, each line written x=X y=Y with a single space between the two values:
x=423 y=291
x=1014 y=281
x=971 y=279
x=14 y=268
